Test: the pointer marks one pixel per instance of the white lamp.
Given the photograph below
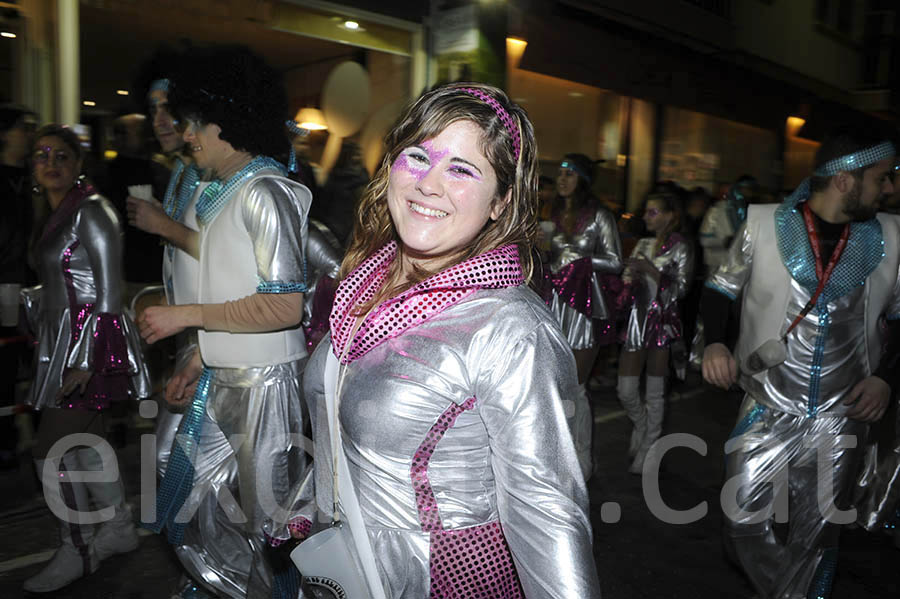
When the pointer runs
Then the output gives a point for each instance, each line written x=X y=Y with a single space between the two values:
x=312 y=119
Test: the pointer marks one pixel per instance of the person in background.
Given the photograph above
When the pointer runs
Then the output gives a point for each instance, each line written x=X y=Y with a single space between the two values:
x=585 y=262
x=723 y=219
x=455 y=376
x=88 y=355
x=17 y=125
x=656 y=278
x=546 y=195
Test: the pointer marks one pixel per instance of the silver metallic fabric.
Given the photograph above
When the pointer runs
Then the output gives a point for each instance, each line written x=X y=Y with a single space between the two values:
x=792 y=427
x=653 y=319
x=323 y=259
x=878 y=487
x=773 y=455
x=509 y=458
x=81 y=257
x=598 y=240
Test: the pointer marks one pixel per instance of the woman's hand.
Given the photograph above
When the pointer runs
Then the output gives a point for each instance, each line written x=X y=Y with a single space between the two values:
x=147 y=215
x=643 y=266
x=73 y=379
x=180 y=388
x=159 y=322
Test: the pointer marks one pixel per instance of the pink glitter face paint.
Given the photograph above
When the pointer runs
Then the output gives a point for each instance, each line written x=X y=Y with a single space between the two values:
x=418 y=161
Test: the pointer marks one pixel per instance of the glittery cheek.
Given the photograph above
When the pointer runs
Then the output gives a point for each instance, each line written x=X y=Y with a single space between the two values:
x=403 y=163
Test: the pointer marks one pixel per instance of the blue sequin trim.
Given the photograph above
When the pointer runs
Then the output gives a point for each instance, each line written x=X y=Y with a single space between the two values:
x=864 y=251
x=714 y=287
x=751 y=418
x=178 y=482
x=815 y=375
x=218 y=193
x=186 y=179
x=281 y=287
x=824 y=577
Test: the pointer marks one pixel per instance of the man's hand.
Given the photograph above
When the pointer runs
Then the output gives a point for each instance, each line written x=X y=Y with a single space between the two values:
x=180 y=388
x=719 y=366
x=159 y=322
x=147 y=215
x=869 y=399
x=73 y=379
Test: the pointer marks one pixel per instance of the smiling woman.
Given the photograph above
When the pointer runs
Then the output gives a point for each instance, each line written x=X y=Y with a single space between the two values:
x=454 y=378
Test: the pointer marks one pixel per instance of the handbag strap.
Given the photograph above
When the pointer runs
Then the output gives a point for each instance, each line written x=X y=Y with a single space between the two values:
x=348 y=501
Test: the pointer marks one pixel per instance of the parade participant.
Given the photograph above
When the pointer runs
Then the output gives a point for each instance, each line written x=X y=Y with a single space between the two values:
x=657 y=277
x=585 y=259
x=454 y=374
x=87 y=355
x=818 y=273
x=250 y=288
x=175 y=218
x=722 y=220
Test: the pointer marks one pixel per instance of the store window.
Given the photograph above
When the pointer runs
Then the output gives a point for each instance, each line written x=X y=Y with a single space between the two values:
x=706 y=151
x=570 y=117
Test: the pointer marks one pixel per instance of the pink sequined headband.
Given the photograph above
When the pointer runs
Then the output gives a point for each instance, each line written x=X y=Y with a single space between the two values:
x=502 y=114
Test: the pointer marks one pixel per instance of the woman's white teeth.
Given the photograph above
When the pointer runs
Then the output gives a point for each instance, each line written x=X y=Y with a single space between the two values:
x=426 y=211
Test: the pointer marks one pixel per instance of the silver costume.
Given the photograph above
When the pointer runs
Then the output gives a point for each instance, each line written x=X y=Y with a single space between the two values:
x=598 y=241
x=653 y=319
x=471 y=399
x=249 y=465
x=792 y=424
x=81 y=323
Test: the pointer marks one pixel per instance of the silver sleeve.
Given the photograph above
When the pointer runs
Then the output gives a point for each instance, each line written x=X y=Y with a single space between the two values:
x=607 y=256
x=100 y=234
x=734 y=273
x=321 y=255
x=680 y=273
x=541 y=495
x=274 y=211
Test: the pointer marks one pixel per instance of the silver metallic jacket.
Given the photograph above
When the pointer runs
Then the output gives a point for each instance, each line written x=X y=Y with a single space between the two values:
x=599 y=241
x=510 y=458
x=80 y=266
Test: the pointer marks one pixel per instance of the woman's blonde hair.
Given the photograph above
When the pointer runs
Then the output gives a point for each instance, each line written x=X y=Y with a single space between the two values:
x=433 y=112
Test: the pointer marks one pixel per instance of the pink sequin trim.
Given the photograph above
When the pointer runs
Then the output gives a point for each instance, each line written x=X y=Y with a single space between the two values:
x=299 y=524
x=426 y=504
x=473 y=563
x=504 y=117
x=495 y=269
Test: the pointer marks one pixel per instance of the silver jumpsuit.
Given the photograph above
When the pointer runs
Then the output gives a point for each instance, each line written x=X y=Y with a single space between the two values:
x=454 y=397
x=792 y=423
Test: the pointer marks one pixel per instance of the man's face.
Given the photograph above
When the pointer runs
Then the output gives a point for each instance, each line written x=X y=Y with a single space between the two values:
x=864 y=199
x=163 y=124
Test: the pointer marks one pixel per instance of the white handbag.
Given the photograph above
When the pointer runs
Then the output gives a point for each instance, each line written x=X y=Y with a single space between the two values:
x=339 y=561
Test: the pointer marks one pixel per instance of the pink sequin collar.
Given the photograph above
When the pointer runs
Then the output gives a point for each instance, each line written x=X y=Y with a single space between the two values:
x=492 y=270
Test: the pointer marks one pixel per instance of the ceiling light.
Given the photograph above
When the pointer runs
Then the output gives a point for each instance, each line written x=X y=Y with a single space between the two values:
x=89 y=103
x=122 y=92
x=8 y=34
x=576 y=94
x=353 y=25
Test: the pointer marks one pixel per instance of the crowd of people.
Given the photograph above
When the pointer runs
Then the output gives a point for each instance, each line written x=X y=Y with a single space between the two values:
x=404 y=393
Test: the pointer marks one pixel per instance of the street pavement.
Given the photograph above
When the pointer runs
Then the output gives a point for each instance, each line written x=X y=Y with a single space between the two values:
x=638 y=555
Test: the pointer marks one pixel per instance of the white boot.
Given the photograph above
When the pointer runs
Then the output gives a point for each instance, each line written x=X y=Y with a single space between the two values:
x=655 y=394
x=75 y=557
x=629 y=391
x=582 y=426
x=117 y=535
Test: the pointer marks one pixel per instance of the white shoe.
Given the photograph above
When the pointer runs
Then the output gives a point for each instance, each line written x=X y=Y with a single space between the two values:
x=65 y=567
x=116 y=536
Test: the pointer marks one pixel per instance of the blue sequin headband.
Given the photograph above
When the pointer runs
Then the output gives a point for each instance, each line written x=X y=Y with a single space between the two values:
x=159 y=85
x=572 y=166
x=856 y=160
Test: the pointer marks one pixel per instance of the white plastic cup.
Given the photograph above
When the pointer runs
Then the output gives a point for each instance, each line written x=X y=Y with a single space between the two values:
x=142 y=192
x=9 y=304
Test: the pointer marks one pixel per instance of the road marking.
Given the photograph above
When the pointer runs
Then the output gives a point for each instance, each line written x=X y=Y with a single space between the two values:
x=43 y=556
x=602 y=418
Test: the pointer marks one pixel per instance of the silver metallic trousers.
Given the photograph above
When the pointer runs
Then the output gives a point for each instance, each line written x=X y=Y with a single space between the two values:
x=788 y=480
